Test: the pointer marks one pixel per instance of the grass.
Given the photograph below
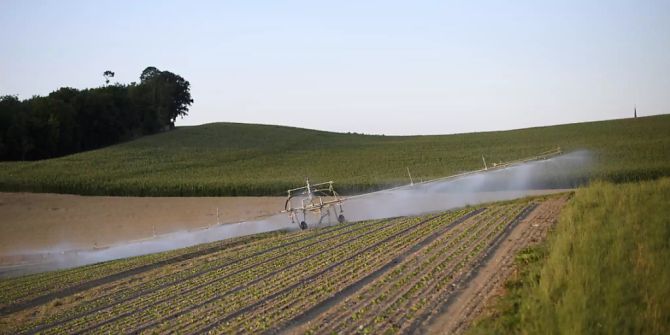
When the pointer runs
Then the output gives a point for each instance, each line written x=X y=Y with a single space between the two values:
x=605 y=270
x=243 y=159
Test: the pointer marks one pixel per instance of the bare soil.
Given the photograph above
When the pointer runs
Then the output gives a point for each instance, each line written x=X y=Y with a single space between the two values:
x=31 y=222
x=472 y=298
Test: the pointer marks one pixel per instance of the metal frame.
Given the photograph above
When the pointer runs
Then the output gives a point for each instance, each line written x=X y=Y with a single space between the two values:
x=313 y=202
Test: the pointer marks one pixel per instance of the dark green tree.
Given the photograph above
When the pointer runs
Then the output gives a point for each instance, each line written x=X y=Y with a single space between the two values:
x=70 y=120
x=9 y=109
x=169 y=93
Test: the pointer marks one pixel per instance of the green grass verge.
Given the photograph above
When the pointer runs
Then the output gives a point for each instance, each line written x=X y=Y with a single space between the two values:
x=604 y=270
x=242 y=159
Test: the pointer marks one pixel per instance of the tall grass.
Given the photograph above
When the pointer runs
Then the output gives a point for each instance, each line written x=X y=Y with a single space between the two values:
x=243 y=159
x=606 y=269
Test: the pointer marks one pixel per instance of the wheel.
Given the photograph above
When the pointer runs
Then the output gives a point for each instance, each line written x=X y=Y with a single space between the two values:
x=303 y=225
x=340 y=218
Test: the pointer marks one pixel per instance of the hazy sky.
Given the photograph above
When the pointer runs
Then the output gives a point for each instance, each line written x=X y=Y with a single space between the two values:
x=392 y=67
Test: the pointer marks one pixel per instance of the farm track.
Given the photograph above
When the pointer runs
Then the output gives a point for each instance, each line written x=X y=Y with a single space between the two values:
x=331 y=233
x=385 y=276
x=478 y=300
x=456 y=314
x=464 y=276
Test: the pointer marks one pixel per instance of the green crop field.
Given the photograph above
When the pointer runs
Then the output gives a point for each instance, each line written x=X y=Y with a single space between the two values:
x=244 y=159
x=394 y=271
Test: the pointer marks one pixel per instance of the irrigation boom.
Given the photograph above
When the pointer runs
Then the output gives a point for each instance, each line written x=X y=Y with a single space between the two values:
x=323 y=201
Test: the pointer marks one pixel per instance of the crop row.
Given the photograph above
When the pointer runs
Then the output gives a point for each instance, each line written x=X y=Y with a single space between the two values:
x=167 y=275
x=295 y=303
x=220 y=298
x=205 y=269
x=314 y=288
x=24 y=288
x=381 y=303
x=431 y=284
x=231 y=275
x=264 y=283
x=405 y=275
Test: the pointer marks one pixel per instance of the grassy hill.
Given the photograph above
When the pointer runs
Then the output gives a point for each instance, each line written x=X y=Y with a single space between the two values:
x=245 y=159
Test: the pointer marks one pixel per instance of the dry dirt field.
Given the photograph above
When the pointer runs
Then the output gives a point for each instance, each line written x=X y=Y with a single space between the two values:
x=32 y=221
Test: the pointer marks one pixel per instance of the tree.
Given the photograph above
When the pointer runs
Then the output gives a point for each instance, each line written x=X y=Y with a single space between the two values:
x=9 y=109
x=70 y=120
x=149 y=73
x=108 y=74
x=169 y=93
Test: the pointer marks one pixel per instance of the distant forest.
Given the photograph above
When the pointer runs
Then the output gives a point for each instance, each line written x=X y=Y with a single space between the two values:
x=70 y=120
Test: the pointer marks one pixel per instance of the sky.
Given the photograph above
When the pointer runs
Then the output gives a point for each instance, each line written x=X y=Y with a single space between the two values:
x=375 y=67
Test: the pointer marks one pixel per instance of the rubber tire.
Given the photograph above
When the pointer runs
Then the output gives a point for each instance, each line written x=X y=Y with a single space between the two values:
x=340 y=218
x=303 y=225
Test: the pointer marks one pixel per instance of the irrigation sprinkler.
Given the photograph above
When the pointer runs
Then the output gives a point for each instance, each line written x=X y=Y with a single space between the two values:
x=319 y=199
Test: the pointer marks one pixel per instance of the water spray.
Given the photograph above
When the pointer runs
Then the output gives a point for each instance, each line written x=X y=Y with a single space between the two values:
x=547 y=172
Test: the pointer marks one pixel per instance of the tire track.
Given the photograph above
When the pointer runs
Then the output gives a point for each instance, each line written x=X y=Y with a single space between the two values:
x=448 y=297
x=500 y=269
x=457 y=255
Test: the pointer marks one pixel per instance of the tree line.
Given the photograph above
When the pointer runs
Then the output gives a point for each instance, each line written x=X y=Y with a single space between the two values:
x=70 y=120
